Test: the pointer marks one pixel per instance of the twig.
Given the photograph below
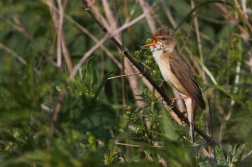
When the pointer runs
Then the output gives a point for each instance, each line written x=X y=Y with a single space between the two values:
x=17 y=56
x=86 y=55
x=13 y=53
x=212 y=20
x=224 y=12
x=202 y=149
x=128 y=68
x=22 y=29
x=237 y=5
x=123 y=83
x=126 y=144
x=168 y=14
x=102 y=41
x=132 y=11
x=199 y=41
x=184 y=44
x=65 y=51
x=149 y=78
x=90 y=35
x=211 y=119
x=59 y=27
x=112 y=21
x=228 y=46
x=56 y=113
x=134 y=145
x=147 y=14
x=247 y=155
x=249 y=62
x=61 y=42
x=124 y=75
x=46 y=108
x=97 y=13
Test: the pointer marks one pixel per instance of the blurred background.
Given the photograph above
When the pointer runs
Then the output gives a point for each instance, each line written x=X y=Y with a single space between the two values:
x=70 y=97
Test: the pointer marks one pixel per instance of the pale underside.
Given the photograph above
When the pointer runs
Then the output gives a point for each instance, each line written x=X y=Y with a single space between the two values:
x=165 y=68
x=168 y=75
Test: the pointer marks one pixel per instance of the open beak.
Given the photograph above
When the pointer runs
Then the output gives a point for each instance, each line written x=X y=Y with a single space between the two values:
x=154 y=40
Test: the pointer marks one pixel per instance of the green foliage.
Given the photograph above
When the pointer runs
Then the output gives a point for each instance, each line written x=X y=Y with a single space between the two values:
x=232 y=159
x=82 y=121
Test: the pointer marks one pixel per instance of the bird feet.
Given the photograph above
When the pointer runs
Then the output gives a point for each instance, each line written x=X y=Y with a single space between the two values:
x=177 y=98
x=173 y=100
x=183 y=119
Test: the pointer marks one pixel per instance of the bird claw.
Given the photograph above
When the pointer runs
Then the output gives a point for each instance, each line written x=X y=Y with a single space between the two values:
x=183 y=119
x=173 y=102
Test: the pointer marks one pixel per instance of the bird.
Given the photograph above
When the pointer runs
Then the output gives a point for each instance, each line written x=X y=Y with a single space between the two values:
x=176 y=72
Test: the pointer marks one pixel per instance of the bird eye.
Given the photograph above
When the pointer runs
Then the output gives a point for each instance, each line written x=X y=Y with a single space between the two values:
x=163 y=38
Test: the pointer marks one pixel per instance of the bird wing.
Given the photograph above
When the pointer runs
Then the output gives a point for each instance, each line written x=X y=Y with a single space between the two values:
x=185 y=77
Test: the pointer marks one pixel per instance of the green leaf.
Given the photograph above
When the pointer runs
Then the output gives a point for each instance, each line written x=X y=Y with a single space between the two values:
x=92 y=72
x=137 y=164
x=104 y=80
x=204 y=164
x=238 y=155
x=225 y=31
x=233 y=154
x=229 y=154
x=220 y=156
x=88 y=114
x=168 y=127
x=110 y=155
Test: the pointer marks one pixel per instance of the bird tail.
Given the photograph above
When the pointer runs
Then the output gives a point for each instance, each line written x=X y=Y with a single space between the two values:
x=190 y=107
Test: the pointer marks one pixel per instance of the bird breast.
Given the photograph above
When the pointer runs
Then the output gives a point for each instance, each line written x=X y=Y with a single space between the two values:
x=162 y=59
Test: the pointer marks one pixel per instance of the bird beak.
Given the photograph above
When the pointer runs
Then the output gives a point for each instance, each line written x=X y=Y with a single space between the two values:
x=154 y=40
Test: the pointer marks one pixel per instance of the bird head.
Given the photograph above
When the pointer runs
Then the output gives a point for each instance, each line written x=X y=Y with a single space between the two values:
x=163 y=37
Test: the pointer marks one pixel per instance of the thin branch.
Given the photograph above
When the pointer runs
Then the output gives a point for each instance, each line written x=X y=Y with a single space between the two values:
x=97 y=13
x=237 y=5
x=149 y=78
x=86 y=55
x=90 y=35
x=198 y=41
x=212 y=20
x=247 y=155
x=168 y=14
x=65 y=51
x=189 y=33
x=120 y=37
x=59 y=27
x=211 y=118
x=224 y=12
x=128 y=67
x=61 y=42
x=124 y=75
x=102 y=41
x=13 y=53
x=112 y=21
x=46 y=108
x=147 y=14
x=24 y=31
x=16 y=56
x=56 y=113
x=134 y=145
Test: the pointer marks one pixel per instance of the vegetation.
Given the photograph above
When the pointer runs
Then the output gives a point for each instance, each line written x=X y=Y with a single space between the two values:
x=69 y=96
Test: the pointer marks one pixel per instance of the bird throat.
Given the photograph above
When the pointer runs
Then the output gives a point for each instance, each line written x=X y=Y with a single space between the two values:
x=158 y=46
x=157 y=51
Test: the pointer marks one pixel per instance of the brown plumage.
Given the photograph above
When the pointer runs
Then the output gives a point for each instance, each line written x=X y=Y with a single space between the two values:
x=176 y=72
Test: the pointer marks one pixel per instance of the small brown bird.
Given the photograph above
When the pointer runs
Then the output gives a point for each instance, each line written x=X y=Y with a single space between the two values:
x=176 y=72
